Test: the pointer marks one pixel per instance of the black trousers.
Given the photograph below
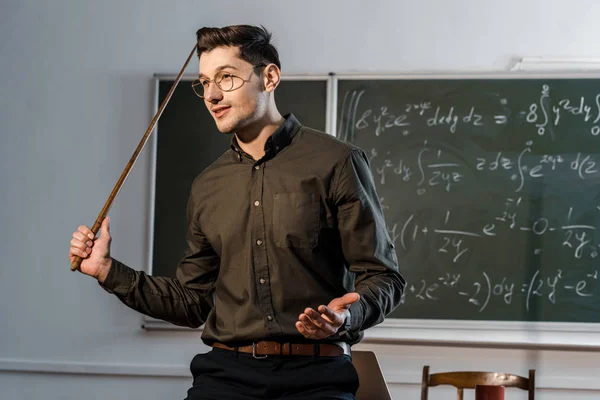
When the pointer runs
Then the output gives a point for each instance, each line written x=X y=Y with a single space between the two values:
x=230 y=375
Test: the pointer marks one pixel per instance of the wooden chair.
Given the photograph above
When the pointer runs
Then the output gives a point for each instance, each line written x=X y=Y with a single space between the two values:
x=372 y=383
x=469 y=379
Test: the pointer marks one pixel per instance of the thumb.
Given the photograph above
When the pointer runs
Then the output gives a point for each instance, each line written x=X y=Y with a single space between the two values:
x=350 y=298
x=344 y=302
x=105 y=229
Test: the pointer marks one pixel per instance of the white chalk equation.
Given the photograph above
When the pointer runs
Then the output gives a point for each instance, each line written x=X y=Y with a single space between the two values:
x=484 y=291
x=440 y=169
x=455 y=241
x=543 y=114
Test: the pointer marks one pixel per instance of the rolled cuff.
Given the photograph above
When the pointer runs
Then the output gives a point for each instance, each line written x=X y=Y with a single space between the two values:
x=357 y=312
x=120 y=278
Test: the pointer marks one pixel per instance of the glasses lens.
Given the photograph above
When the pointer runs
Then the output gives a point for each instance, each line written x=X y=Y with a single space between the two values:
x=198 y=88
x=225 y=81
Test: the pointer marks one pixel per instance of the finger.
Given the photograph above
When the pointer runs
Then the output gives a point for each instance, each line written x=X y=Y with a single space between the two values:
x=308 y=311
x=86 y=231
x=80 y=238
x=76 y=244
x=74 y=251
x=329 y=314
x=317 y=324
x=302 y=329
x=307 y=322
x=318 y=319
x=315 y=330
x=308 y=332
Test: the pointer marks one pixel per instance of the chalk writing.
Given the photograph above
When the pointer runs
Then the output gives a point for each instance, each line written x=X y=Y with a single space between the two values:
x=492 y=199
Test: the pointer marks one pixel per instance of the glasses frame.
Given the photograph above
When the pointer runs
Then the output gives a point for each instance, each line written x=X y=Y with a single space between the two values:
x=198 y=82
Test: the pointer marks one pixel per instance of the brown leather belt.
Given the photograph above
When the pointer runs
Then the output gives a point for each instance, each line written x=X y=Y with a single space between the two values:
x=263 y=349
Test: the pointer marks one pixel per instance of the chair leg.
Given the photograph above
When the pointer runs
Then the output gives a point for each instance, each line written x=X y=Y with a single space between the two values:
x=425 y=383
x=532 y=384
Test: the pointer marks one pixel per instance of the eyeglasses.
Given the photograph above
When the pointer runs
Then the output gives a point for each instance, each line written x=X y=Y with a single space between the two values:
x=225 y=81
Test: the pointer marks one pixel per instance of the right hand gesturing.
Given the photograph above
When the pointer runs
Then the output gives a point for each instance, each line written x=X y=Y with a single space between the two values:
x=94 y=252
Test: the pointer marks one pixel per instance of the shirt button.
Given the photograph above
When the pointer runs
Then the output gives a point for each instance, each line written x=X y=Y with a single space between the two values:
x=257 y=167
x=270 y=318
x=257 y=203
x=262 y=280
x=259 y=242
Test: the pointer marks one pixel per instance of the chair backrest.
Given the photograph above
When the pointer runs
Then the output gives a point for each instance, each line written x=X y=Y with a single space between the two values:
x=469 y=379
x=372 y=384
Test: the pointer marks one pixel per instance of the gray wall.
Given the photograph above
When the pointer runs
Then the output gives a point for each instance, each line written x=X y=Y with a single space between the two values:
x=75 y=99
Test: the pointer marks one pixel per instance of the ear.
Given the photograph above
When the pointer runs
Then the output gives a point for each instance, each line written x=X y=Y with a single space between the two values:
x=271 y=77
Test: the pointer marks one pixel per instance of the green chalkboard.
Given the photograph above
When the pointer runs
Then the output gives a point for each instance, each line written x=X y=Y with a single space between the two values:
x=491 y=192
x=187 y=141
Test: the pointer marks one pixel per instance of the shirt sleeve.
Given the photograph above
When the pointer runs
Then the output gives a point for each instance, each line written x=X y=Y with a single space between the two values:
x=366 y=244
x=186 y=300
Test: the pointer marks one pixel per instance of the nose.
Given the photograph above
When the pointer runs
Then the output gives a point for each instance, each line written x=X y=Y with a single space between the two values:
x=212 y=93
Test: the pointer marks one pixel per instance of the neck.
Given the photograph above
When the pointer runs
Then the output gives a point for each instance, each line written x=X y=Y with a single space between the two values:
x=253 y=138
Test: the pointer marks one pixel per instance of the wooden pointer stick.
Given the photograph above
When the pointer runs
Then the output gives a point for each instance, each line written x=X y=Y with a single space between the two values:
x=75 y=264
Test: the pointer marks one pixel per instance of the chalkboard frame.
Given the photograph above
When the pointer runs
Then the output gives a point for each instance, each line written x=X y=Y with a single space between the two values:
x=506 y=334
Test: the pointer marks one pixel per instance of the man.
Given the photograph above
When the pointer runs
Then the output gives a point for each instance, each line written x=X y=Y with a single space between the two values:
x=289 y=259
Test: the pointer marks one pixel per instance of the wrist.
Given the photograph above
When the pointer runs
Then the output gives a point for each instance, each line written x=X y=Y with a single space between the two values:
x=345 y=325
x=103 y=269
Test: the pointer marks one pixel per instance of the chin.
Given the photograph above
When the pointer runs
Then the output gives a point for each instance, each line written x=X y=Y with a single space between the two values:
x=226 y=127
x=232 y=125
x=225 y=131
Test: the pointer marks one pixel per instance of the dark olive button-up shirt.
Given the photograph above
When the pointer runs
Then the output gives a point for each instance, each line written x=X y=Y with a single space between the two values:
x=268 y=238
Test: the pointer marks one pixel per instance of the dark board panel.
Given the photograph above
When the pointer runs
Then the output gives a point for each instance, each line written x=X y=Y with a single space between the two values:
x=491 y=192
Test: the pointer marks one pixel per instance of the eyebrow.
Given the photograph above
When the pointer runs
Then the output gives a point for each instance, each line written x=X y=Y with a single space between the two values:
x=221 y=68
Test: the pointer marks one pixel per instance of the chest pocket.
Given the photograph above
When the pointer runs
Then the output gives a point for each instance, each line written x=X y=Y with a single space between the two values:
x=296 y=219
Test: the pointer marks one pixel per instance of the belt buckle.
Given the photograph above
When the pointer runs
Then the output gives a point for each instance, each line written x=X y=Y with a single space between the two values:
x=254 y=355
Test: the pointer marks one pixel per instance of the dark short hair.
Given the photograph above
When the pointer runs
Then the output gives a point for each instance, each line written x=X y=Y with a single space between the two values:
x=254 y=42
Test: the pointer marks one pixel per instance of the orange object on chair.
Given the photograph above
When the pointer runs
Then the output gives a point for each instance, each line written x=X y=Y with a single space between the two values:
x=489 y=392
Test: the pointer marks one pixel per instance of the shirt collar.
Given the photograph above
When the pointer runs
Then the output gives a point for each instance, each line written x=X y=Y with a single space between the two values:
x=278 y=141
